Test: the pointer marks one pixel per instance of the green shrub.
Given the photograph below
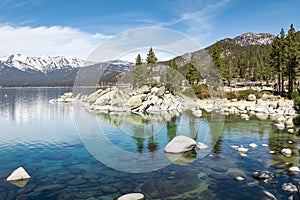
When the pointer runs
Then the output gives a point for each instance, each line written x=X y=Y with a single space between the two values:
x=242 y=95
x=297 y=104
x=201 y=91
x=295 y=95
x=296 y=120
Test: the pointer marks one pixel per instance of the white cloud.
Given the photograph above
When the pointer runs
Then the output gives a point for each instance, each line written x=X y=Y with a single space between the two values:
x=52 y=41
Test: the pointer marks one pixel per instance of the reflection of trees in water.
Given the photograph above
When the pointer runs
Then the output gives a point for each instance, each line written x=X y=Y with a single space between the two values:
x=172 y=128
x=277 y=141
x=193 y=127
x=152 y=143
x=139 y=140
x=216 y=127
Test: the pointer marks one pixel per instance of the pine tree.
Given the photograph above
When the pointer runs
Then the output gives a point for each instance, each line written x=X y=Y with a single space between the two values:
x=151 y=58
x=216 y=56
x=138 y=73
x=291 y=59
x=138 y=60
x=276 y=59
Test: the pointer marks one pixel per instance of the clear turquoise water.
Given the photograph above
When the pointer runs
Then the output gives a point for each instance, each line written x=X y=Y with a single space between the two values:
x=64 y=164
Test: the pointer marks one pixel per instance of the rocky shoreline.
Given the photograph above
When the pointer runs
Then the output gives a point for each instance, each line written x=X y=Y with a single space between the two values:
x=157 y=100
x=276 y=108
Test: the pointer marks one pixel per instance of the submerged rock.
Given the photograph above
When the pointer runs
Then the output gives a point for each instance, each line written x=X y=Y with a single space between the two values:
x=159 y=188
x=261 y=175
x=52 y=187
x=282 y=165
x=182 y=158
x=289 y=187
x=269 y=196
x=180 y=144
x=132 y=196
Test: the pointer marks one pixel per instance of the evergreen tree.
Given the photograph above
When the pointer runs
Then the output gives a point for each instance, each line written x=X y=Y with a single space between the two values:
x=216 y=56
x=138 y=60
x=291 y=59
x=276 y=59
x=151 y=58
x=138 y=73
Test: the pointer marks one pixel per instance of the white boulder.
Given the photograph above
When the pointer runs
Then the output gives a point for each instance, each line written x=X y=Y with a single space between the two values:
x=242 y=149
x=243 y=155
x=132 y=196
x=251 y=97
x=180 y=144
x=197 y=113
x=245 y=116
x=286 y=151
x=294 y=169
x=290 y=130
x=235 y=147
x=135 y=101
x=202 y=146
x=280 y=126
x=239 y=178
x=262 y=116
x=253 y=145
x=18 y=174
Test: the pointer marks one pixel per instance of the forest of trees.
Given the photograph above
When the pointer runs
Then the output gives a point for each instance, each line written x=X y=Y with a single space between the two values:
x=278 y=62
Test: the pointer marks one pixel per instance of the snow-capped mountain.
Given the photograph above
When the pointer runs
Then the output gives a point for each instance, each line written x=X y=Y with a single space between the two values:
x=249 y=38
x=44 y=64
x=21 y=70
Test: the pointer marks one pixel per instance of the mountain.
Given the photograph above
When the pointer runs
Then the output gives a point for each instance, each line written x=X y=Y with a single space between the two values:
x=21 y=70
x=248 y=39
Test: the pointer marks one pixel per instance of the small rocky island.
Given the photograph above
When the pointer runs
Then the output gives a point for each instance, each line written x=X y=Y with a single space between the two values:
x=141 y=100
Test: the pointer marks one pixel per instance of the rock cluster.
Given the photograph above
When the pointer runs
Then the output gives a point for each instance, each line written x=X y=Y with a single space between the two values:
x=280 y=110
x=142 y=100
x=65 y=98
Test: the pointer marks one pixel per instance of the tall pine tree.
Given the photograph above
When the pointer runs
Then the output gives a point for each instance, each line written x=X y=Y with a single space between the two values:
x=292 y=58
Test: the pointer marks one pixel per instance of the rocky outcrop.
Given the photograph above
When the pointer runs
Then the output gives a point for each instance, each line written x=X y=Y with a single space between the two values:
x=141 y=100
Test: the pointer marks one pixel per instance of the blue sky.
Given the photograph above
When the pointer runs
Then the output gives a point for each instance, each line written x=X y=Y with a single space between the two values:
x=75 y=28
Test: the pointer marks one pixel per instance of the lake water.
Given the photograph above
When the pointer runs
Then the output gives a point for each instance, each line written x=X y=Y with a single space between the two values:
x=73 y=154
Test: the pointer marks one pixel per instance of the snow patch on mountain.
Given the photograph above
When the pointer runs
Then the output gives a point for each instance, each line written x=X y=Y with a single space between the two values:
x=44 y=64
